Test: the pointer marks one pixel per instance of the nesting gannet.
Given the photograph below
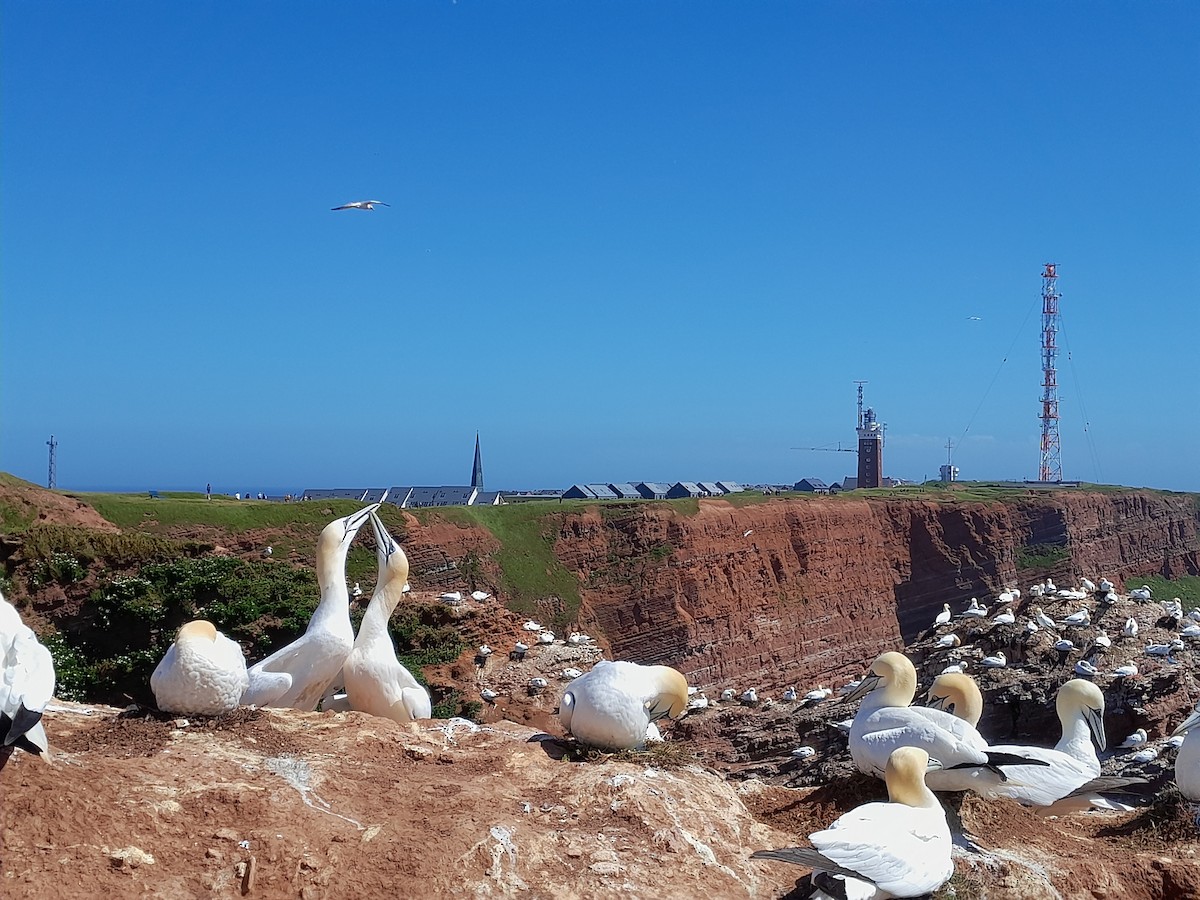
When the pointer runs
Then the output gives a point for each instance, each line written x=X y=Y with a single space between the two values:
x=1078 y=619
x=1142 y=593
x=531 y=625
x=452 y=598
x=789 y=694
x=727 y=695
x=817 y=695
x=1031 y=627
x=1187 y=762
x=1043 y=620
x=1064 y=645
x=944 y=616
x=1086 y=669
x=803 y=752
x=484 y=650
x=488 y=694
x=297 y=675
x=1005 y=597
x=538 y=684
x=1191 y=632
x=1064 y=770
x=1194 y=614
x=518 y=651
x=1102 y=640
x=947 y=641
x=896 y=849
x=698 y=702
x=575 y=639
x=849 y=687
x=958 y=694
x=361 y=204
x=1164 y=649
x=1137 y=739
x=749 y=696
x=996 y=661
x=1087 y=585
x=356 y=591
x=1131 y=627
x=26 y=683
x=1126 y=671
x=954 y=669
x=885 y=721
x=1145 y=755
x=376 y=682
x=974 y=611
x=545 y=637
x=1005 y=618
x=611 y=706
x=479 y=596
x=570 y=673
x=202 y=674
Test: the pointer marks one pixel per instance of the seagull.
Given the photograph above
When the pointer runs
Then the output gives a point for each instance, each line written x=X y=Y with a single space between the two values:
x=361 y=204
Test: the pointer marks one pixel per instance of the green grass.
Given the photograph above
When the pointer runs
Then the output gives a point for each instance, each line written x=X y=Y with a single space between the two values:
x=1041 y=556
x=1185 y=587
x=140 y=512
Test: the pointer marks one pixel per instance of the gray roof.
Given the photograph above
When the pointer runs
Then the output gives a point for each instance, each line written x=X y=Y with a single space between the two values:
x=625 y=491
x=656 y=487
x=815 y=484
x=710 y=487
x=336 y=494
x=731 y=487
x=374 y=495
x=602 y=491
x=440 y=496
x=585 y=489
x=487 y=498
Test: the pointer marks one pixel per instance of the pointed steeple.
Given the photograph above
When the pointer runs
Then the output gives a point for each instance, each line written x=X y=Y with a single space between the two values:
x=477 y=470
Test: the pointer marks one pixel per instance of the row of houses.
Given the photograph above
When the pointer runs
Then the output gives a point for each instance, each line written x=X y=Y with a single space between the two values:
x=411 y=497
x=651 y=490
x=849 y=483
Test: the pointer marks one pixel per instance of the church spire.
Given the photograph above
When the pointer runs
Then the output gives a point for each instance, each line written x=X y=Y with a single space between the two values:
x=477 y=470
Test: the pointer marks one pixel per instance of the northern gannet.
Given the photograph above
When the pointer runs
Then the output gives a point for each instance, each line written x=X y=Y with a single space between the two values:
x=202 y=674
x=1106 y=586
x=1137 y=739
x=1086 y=669
x=479 y=596
x=545 y=637
x=376 y=682
x=948 y=640
x=1078 y=619
x=297 y=675
x=1126 y=671
x=1142 y=593
x=361 y=204
x=803 y=752
x=1042 y=619
x=26 y=683
x=816 y=696
x=943 y=617
x=957 y=694
x=885 y=721
x=1187 y=762
x=996 y=661
x=1087 y=585
x=896 y=849
x=612 y=706
x=789 y=694
x=1005 y=618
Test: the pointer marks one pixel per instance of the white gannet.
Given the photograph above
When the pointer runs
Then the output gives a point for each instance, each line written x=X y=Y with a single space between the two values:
x=484 y=650
x=1106 y=586
x=576 y=639
x=943 y=617
x=849 y=687
x=803 y=752
x=1145 y=755
x=376 y=681
x=267 y=551
x=1050 y=585
x=297 y=675
x=452 y=598
x=611 y=706
x=1102 y=640
x=1005 y=597
x=1086 y=669
x=538 y=684
x=958 y=694
x=789 y=693
x=545 y=637
x=26 y=683
x=1191 y=632
x=202 y=674
x=816 y=696
x=1087 y=585
x=1131 y=627
x=1164 y=649
x=361 y=204
x=1005 y=618
x=356 y=591
x=479 y=596
x=1078 y=619
x=1037 y=590
x=518 y=651
x=749 y=696
x=1194 y=614
x=1187 y=762
x=1044 y=620
x=1064 y=645
x=1066 y=770
x=1142 y=593
x=1126 y=671
x=531 y=625
x=698 y=702
x=1031 y=627
x=954 y=669
x=885 y=721
x=896 y=849
x=948 y=640
x=996 y=661
x=1137 y=739
x=727 y=695
x=488 y=694
x=974 y=611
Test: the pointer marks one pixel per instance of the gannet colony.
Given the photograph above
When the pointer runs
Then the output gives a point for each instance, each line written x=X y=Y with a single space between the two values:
x=899 y=848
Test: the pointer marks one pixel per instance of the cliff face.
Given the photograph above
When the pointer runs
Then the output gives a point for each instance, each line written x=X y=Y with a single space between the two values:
x=810 y=590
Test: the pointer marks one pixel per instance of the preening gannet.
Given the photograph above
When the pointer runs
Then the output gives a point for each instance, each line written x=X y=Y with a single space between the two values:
x=611 y=706
x=202 y=674
x=885 y=721
x=297 y=675
x=896 y=849
x=26 y=683
x=957 y=694
x=376 y=682
x=1187 y=762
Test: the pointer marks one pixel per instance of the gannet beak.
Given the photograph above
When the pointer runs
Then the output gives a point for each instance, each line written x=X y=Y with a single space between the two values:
x=1095 y=723
x=357 y=520
x=938 y=702
x=933 y=765
x=385 y=546
x=864 y=687
x=1190 y=722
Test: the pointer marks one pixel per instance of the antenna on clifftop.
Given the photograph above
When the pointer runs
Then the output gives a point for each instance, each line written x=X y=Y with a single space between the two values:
x=53 y=445
x=860 y=398
x=1050 y=468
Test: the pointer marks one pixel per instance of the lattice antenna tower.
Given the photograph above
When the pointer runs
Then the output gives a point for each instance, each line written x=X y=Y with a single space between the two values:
x=1050 y=468
x=53 y=474
x=860 y=399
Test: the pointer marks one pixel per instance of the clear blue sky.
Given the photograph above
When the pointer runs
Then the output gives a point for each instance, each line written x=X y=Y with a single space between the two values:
x=626 y=240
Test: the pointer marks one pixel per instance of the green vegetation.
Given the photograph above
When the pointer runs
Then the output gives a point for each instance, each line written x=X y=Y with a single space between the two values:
x=140 y=512
x=1041 y=556
x=1185 y=587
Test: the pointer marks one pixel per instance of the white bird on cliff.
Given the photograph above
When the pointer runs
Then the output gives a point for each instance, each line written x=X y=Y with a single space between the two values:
x=1005 y=618
x=518 y=651
x=1126 y=671
x=1106 y=586
x=996 y=661
x=1037 y=590
x=531 y=625
x=943 y=617
x=948 y=640
x=849 y=687
x=1102 y=640
x=1078 y=619
x=1191 y=632
x=537 y=684
x=484 y=650
x=727 y=695
x=1136 y=739
x=1145 y=755
x=570 y=673
x=361 y=204
x=297 y=675
x=576 y=639
x=749 y=696
x=1044 y=620
x=1166 y=650
x=817 y=695
x=698 y=702
x=1086 y=669
x=202 y=674
x=803 y=753
x=1031 y=627
x=488 y=694
x=789 y=694
x=1194 y=614
x=1131 y=627
x=545 y=637
x=479 y=596
x=377 y=683
x=1063 y=645
x=1087 y=585
x=26 y=683
x=1142 y=593
x=1005 y=597
x=452 y=598
x=1187 y=763
x=356 y=591
x=896 y=849
x=954 y=669
x=613 y=705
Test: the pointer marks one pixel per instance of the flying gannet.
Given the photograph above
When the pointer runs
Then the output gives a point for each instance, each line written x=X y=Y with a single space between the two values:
x=361 y=204
x=202 y=674
x=376 y=682
x=297 y=675
x=612 y=706
x=26 y=683
x=896 y=849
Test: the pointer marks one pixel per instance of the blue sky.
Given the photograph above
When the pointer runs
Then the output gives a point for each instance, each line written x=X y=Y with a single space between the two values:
x=626 y=240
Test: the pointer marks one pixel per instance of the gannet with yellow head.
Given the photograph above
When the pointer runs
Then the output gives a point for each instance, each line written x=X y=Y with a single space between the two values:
x=612 y=706
x=202 y=674
x=297 y=675
x=376 y=682
x=896 y=849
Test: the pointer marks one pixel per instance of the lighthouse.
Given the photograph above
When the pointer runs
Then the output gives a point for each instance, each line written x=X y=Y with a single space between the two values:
x=870 y=451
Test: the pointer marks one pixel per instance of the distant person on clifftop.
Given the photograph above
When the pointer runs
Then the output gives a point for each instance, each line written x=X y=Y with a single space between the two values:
x=208 y=491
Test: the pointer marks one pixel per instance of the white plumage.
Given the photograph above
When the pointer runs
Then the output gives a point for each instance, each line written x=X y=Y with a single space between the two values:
x=611 y=706
x=944 y=616
x=202 y=674
x=377 y=682
x=297 y=675
x=361 y=204
x=1187 y=762
x=896 y=849
x=26 y=683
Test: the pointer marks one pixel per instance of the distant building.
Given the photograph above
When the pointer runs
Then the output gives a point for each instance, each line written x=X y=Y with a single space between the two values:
x=578 y=492
x=684 y=489
x=420 y=497
x=730 y=487
x=488 y=498
x=811 y=486
x=870 y=451
x=711 y=488
x=849 y=483
x=526 y=496
x=374 y=495
x=652 y=490
x=948 y=473
x=477 y=467
x=624 y=491
x=337 y=494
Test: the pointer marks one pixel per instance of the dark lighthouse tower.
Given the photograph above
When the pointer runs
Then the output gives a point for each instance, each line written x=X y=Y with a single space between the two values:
x=870 y=451
x=477 y=469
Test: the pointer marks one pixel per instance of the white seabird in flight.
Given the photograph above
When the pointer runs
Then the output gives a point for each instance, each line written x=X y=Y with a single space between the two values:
x=896 y=849
x=361 y=204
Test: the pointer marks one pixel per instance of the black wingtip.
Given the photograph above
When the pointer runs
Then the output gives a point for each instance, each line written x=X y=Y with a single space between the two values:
x=19 y=724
